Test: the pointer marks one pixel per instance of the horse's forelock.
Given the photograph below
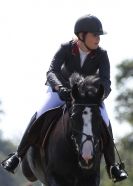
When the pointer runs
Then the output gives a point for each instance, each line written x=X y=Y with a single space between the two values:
x=92 y=79
x=88 y=86
x=76 y=78
x=92 y=83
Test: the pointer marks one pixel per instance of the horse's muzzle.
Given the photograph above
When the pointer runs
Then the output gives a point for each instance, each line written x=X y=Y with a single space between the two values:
x=86 y=163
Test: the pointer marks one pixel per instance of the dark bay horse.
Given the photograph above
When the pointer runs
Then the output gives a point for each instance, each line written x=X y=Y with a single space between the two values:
x=72 y=152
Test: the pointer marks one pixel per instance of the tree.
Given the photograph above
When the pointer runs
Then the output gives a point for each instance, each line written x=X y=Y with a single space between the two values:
x=124 y=99
x=124 y=112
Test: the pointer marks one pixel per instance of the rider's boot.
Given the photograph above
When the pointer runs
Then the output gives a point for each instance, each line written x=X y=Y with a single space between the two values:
x=11 y=163
x=115 y=171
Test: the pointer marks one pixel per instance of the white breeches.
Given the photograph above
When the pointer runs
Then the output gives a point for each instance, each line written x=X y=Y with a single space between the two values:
x=52 y=100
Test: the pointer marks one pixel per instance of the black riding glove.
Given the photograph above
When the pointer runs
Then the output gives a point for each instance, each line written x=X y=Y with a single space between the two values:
x=64 y=93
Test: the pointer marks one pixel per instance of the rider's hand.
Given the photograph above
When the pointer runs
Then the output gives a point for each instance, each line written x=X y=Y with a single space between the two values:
x=64 y=93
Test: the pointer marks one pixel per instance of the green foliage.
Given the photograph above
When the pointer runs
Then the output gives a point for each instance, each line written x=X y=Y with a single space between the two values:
x=124 y=99
x=125 y=71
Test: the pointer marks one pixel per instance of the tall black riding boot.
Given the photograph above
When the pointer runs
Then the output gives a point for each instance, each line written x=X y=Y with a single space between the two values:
x=115 y=171
x=28 y=138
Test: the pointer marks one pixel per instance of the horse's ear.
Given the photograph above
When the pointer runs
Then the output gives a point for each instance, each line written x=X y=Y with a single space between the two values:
x=100 y=92
x=75 y=92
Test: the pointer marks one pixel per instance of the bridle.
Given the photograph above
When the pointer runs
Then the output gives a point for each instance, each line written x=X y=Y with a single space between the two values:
x=89 y=138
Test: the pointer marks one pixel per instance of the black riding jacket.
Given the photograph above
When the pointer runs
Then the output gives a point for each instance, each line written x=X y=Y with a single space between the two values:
x=67 y=60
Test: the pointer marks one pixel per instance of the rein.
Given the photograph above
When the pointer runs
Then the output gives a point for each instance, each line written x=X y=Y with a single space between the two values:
x=87 y=137
x=90 y=138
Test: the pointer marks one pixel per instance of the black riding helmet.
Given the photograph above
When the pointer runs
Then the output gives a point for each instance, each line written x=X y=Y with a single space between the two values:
x=88 y=23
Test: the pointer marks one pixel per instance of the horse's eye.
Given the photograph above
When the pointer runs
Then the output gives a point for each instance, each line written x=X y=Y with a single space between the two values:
x=85 y=112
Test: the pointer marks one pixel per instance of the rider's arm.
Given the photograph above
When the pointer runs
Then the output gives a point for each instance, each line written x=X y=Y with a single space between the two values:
x=104 y=73
x=54 y=74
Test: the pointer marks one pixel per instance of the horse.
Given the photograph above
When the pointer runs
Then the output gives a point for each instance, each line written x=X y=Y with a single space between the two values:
x=71 y=153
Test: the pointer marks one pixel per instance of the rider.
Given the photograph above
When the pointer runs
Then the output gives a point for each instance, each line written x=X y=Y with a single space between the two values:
x=82 y=55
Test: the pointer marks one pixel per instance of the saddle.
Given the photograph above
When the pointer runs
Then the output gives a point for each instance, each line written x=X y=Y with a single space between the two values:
x=44 y=125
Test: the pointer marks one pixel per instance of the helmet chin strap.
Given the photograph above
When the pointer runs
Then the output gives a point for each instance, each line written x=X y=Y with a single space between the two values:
x=89 y=49
x=83 y=40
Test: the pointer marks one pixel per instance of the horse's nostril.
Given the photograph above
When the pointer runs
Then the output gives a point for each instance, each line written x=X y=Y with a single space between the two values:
x=85 y=112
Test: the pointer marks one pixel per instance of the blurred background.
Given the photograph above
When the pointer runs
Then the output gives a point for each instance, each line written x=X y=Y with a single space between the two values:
x=30 y=33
